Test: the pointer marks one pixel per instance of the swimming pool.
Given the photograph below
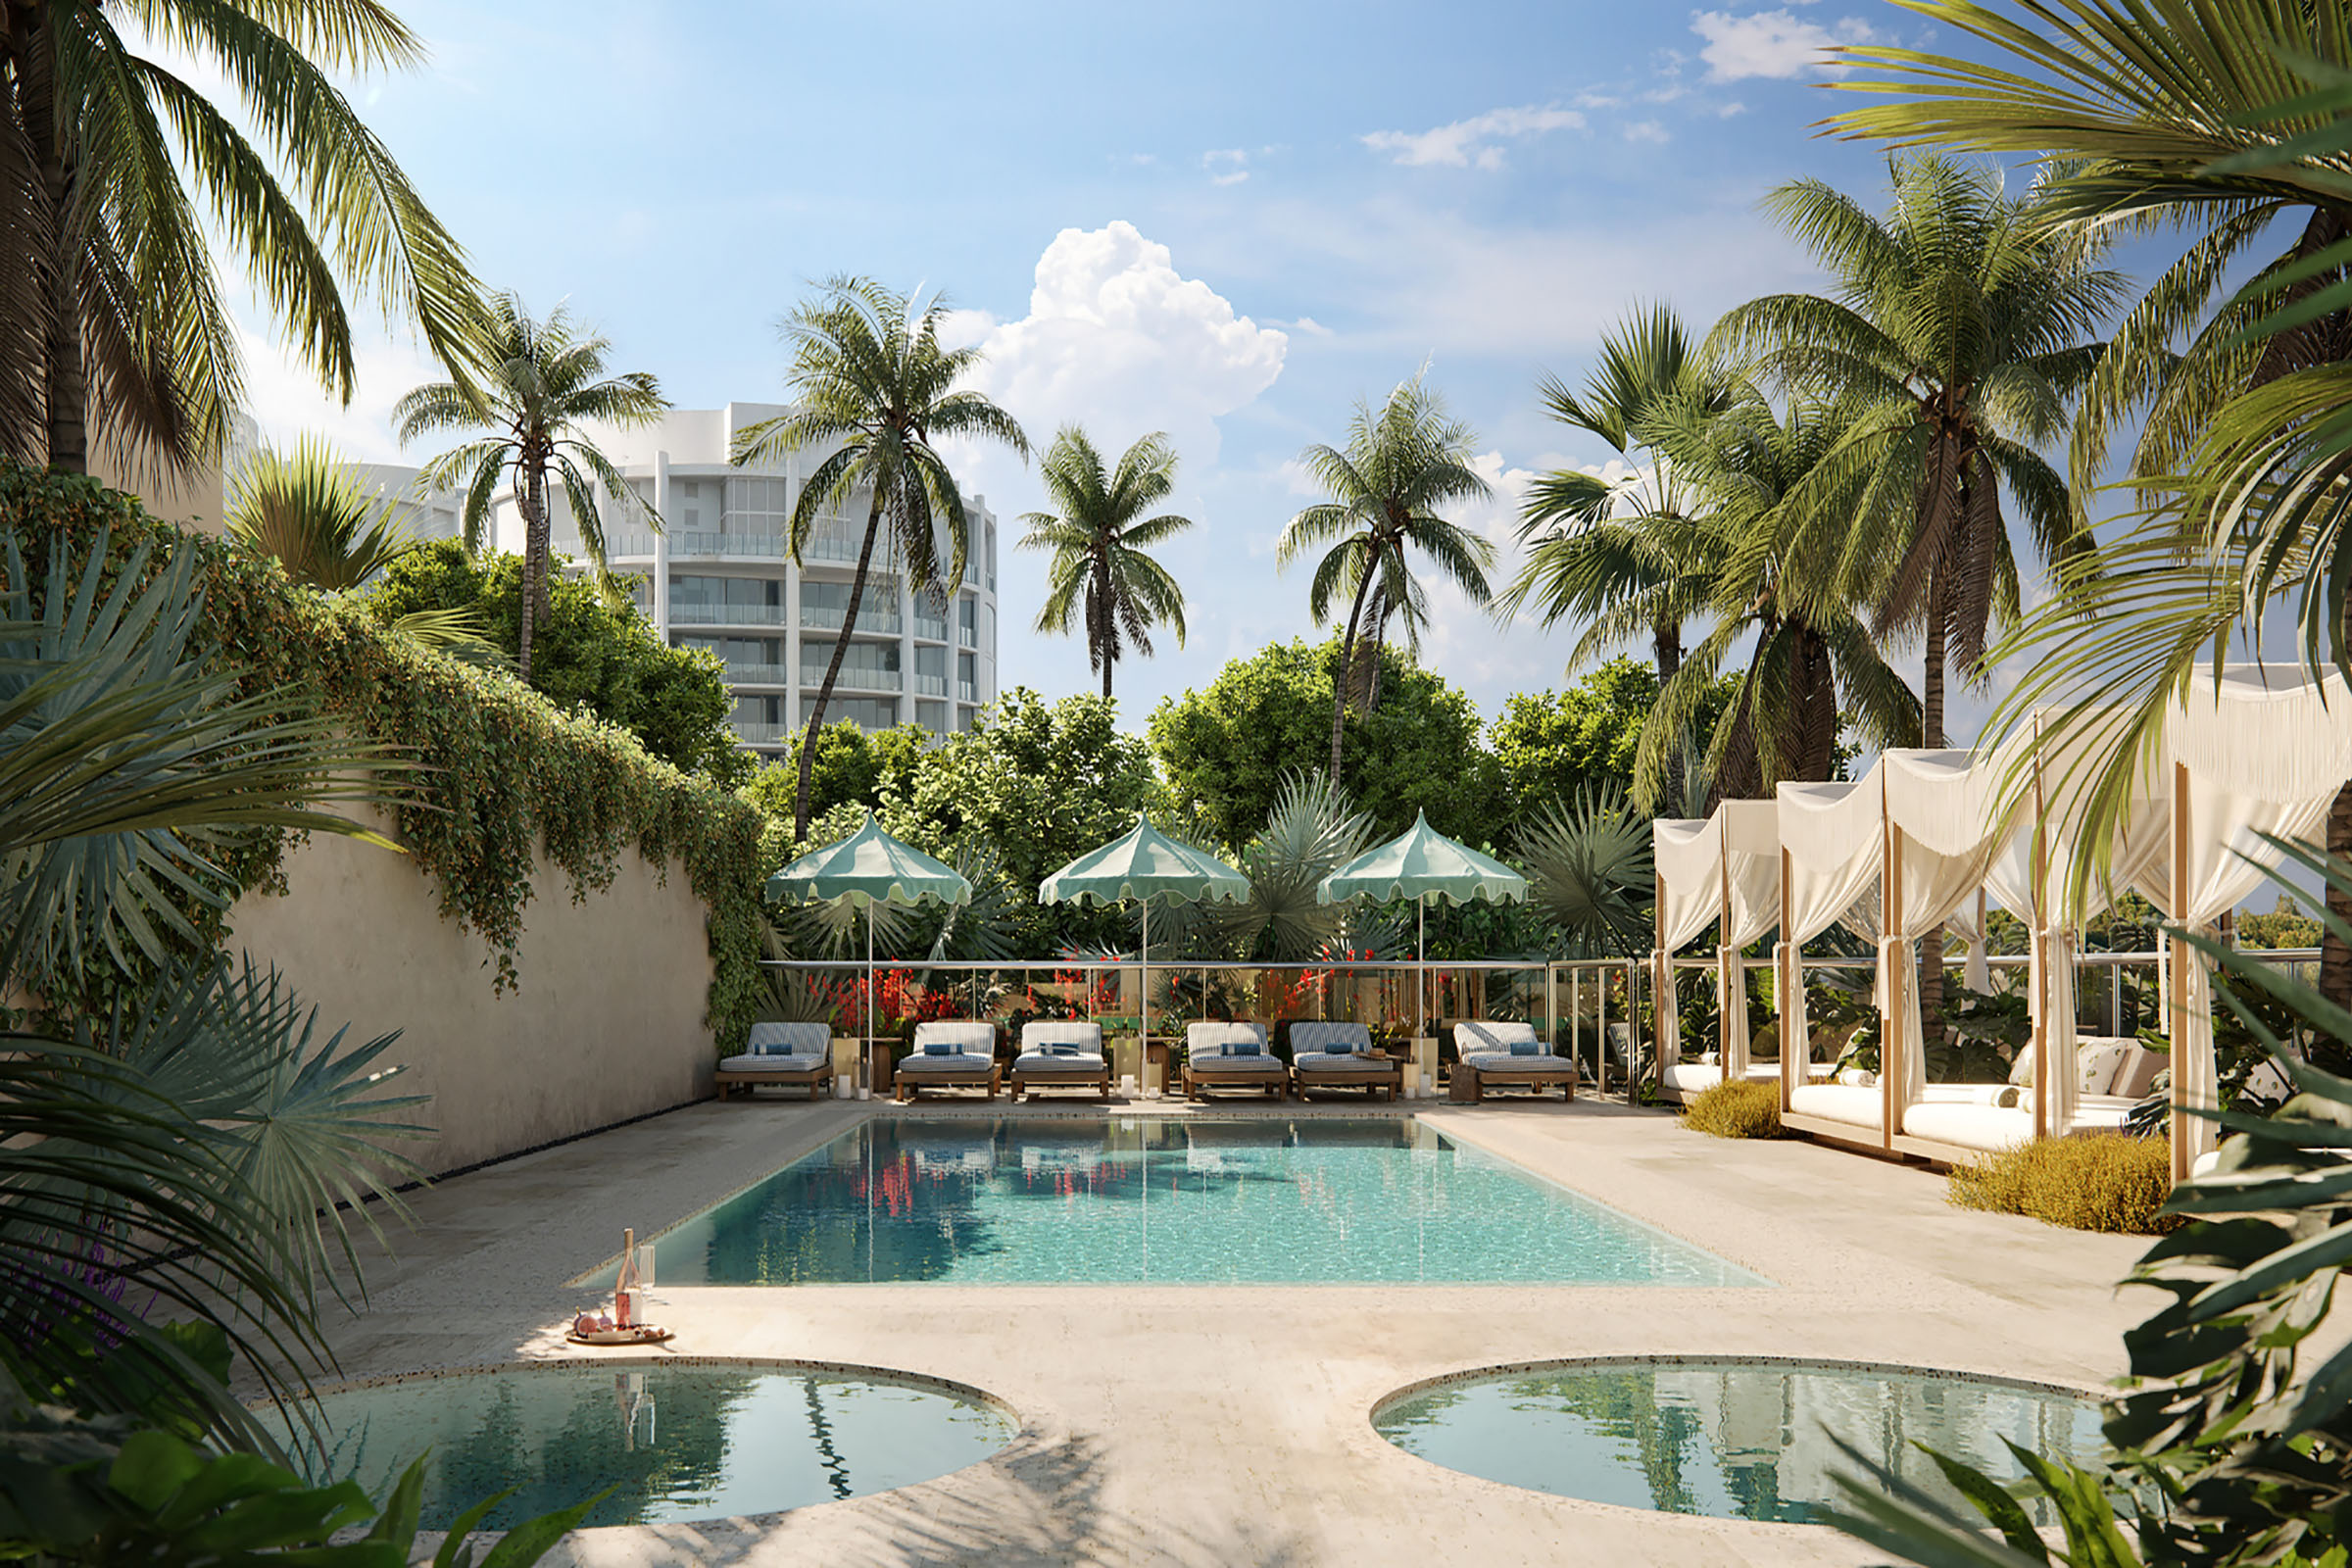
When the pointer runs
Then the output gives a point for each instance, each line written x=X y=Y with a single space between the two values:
x=1735 y=1439
x=1018 y=1200
x=676 y=1441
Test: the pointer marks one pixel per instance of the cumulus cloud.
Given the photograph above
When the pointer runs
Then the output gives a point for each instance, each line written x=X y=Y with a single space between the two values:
x=1474 y=140
x=1771 y=43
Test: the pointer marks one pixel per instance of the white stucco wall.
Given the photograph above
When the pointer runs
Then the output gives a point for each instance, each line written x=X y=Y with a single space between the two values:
x=608 y=1023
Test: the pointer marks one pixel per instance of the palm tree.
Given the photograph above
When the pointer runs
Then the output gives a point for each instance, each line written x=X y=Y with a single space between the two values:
x=1100 y=570
x=545 y=378
x=1961 y=330
x=1809 y=662
x=2201 y=119
x=1402 y=461
x=307 y=509
x=111 y=163
x=873 y=383
x=1646 y=361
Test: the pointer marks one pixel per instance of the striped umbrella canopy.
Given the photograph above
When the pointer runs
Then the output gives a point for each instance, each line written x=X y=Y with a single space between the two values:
x=866 y=869
x=1143 y=866
x=1420 y=865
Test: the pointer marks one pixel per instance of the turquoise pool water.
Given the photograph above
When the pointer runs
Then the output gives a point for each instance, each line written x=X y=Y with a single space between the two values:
x=676 y=1441
x=1023 y=1200
x=1735 y=1440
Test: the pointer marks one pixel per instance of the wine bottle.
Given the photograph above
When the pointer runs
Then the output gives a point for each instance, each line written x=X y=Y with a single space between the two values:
x=624 y=1288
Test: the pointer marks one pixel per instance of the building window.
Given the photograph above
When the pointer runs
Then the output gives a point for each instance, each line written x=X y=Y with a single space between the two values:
x=698 y=503
x=931 y=671
x=968 y=622
x=933 y=716
x=824 y=605
x=968 y=684
x=869 y=712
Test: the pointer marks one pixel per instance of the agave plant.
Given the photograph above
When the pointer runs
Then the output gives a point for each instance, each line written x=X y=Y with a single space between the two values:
x=1589 y=871
x=2230 y=1449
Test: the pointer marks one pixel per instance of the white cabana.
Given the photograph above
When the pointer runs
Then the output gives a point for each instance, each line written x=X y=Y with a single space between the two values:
x=2261 y=752
x=1723 y=868
x=1833 y=848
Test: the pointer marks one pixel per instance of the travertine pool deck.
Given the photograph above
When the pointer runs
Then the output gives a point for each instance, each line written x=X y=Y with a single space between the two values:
x=1230 y=1425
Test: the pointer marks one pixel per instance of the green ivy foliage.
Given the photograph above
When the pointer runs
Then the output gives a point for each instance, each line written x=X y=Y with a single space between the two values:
x=585 y=653
x=1226 y=748
x=506 y=774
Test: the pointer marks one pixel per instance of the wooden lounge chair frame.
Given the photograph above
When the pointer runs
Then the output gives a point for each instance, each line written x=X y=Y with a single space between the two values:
x=1198 y=1081
x=1541 y=1074
x=910 y=1085
x=1028 y=1079
x=1308 y=1078
x=816 y=1075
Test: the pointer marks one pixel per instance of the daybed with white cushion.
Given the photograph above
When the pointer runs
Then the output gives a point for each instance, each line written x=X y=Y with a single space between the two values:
x=1065 y=1053
x=1510 y=1056
x=1686 y=1079
x=1959 y=1121
x=794 y=1055
x=1338 y=1055
x=950 y=1054
x=1230 y=1056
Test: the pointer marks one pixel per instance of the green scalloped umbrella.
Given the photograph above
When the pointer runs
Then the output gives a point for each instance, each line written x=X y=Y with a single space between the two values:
x=1420 y=865
x=866 y=869
x=1144 y=864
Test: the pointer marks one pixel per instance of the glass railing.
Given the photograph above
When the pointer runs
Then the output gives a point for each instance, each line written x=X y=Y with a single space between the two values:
x=852 y=680
x=637 y=544
x=968 y=636
x=967 y=691
x=725 y=615
x=757 y=676
x=875 y=617
x=752 y=734
x=934 y=627
x=930 y=685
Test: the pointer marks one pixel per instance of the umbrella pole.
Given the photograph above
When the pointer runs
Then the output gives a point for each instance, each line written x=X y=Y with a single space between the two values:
x=1143 y=1040
x=871 y=997
x=1421 y=974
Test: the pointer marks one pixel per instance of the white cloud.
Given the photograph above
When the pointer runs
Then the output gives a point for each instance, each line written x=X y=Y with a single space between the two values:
x=1226 y=166
x=1771 y=43
x=1645 y=130
x=1472 y=140
x=1116 y=337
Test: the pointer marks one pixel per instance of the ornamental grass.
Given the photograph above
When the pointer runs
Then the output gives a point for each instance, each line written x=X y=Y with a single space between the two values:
x=1736 y=1110
x=2090 y=1182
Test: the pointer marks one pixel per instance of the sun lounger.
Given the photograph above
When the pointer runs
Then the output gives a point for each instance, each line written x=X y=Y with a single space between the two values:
x=1064 y=1055
x=1686 y=1080
x=1230 y=1056
x=958 y=1054
x=1338 y=1055
x=1510 y=1056
x=794 y=1055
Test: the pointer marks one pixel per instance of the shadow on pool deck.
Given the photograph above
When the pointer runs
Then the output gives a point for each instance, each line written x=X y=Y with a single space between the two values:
x=1040 y=1501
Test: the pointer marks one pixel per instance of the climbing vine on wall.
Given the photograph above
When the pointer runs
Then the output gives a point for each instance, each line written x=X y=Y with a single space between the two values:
x=502 y=776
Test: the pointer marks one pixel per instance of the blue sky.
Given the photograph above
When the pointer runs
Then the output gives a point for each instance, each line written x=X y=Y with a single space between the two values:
x=1225 y=221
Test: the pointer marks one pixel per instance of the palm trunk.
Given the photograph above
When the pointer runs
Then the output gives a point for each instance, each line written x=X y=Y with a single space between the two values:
x=65 y=388
x=2336 y=956
x=1931 y=730
x=1343 y=672
x=1106 y=645
x=1666 y=640
x=535 y=549
x=824 y=692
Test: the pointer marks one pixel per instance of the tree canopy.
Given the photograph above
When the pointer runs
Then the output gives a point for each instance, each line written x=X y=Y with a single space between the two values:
x=1226 y=747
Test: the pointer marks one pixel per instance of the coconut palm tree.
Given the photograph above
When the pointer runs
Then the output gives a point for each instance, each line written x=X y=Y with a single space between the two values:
x=307 y=509
x=1807 y=663
x=2175 y=115
x=1645 y=362
x=1961 y=329
x=113 y=167
x=545 y=380
x=873 y=384
x=1402 y=461
x=1100 y=570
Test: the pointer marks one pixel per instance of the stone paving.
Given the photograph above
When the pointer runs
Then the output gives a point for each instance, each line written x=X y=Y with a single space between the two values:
x=1202 y=1425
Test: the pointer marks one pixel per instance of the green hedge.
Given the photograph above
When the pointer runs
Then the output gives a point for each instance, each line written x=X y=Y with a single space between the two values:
x=508 y=771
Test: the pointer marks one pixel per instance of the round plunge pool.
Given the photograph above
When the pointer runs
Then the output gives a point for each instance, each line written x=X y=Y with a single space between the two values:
x=1735 y=1439
x=675 y=1440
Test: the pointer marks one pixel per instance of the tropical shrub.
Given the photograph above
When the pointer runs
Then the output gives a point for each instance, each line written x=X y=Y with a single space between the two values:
x=2090 y=1182
x=1736 y=1110
x=1550 y=745
x=586 y=653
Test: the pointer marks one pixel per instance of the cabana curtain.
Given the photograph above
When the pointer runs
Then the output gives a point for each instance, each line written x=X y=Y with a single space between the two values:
x=1948 y=813
x=1687 y=856
x=1749 y=832
x=1835 y=835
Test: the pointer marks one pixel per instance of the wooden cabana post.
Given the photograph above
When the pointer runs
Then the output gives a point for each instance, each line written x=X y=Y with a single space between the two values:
x=1796 y=1055
x=2182 y=957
